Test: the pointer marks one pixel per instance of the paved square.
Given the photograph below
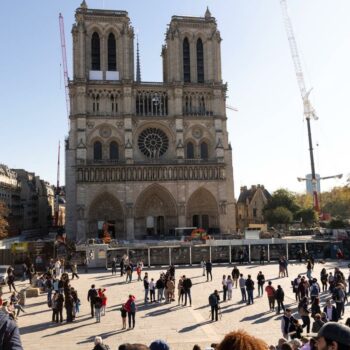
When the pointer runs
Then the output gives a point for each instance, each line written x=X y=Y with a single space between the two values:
x=181 y=327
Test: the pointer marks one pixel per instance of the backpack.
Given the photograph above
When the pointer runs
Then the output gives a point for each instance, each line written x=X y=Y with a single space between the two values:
x=314 y=290
x=213 y=301
x=132 y=307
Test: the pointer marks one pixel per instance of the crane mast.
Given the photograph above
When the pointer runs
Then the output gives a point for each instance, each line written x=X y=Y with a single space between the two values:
x=64 y=61
x=309 y=111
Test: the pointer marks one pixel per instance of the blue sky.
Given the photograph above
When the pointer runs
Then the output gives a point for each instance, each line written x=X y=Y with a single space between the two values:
x=268 y=134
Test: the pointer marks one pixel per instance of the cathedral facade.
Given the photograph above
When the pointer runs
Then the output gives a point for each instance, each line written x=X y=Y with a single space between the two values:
x=147 y=158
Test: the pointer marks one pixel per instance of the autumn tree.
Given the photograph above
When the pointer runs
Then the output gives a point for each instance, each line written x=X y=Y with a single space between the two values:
x=3 y=220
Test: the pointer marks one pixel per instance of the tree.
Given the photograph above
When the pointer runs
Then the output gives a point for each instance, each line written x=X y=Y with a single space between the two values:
x=283 y=198
x=278 y=216
x=336 y=223
x=3 y=220
x=308 y=216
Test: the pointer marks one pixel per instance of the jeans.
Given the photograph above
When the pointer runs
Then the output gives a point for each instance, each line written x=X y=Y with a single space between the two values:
x=98 y=314
x=214 y=309
x=146 y=295
x=244 y=294
x=160 y=294
x=18 y=308
x=225 y=292
x=229 y=294
x=260 y=290
x=74 y=274
x=250 y=296
x=114 y=270
x=339 y=307
x=271 y=302
x=203 y=270
x=92 y=305
x=131 y=316
x=211 y=276
x=152 y=295
x=57 y=314
x=49 y=296
x=188 y=292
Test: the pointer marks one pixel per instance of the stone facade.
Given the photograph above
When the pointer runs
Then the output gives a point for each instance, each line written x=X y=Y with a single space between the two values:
x=250 y=205
x=146 y=158
x=30 y=200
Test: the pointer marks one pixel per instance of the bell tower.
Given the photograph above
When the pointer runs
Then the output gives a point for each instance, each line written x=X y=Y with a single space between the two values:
x=191 y=53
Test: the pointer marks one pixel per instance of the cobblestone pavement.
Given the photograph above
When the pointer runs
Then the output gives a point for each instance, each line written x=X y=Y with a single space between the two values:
x=181 y=327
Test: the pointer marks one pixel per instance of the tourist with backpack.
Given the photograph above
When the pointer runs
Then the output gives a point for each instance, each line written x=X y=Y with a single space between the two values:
x=249 y=284
x=214 y=300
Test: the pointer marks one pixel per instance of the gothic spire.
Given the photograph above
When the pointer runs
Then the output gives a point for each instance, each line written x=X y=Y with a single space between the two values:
x=138 y=66
x=207 y=14
x=83 y=5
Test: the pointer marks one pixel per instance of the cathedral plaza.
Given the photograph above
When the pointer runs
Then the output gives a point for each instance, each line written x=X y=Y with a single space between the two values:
x=180 y=326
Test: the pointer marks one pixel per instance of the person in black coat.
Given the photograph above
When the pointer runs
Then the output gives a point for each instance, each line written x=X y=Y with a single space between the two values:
x=209 y=267
x=279 y=296
x=331 y=311
x=187 y=285
x=92 y=294
x=69 y=304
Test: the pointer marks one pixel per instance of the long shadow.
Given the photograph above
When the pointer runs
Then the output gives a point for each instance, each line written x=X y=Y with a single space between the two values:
x=161 y=311
x=69 y=329
x=225 y=311
x=34 y=328
x=253 y=317
x=35 y=304
x=200 y=282
x=36 y=312
x=103 y=335
x=266 y=319
x=191 y=328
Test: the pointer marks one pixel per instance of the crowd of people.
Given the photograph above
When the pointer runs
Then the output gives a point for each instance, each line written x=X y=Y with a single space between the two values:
x=320 y=300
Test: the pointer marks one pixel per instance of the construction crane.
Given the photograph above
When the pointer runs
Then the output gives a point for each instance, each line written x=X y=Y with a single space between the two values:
x=64 y=61
x=232 y=108
x=58 y=188
x=309 y=111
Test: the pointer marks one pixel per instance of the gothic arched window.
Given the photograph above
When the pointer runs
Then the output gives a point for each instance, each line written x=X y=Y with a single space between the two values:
x=190 y=150
x=204 y=150
x=200 y=61
x=113 y=151
x=112 y=53
x=95 y=52
x=97 y=150
x=186 y=61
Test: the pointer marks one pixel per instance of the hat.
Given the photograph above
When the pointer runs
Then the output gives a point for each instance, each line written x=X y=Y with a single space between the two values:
x=335 y=331
x=159 y=345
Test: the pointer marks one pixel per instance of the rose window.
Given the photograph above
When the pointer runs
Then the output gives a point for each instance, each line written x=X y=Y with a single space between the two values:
x=153 y=142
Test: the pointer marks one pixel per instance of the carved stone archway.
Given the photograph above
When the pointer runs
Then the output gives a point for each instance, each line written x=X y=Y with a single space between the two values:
x=106 y=208
x=155 y=212
x=202 y=210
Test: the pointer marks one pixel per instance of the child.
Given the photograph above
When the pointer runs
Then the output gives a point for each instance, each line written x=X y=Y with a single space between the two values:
x=138 y=271
x=123 y=314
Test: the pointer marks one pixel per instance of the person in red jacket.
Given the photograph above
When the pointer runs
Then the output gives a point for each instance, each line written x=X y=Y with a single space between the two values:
x=130 y=307
x=102 y=295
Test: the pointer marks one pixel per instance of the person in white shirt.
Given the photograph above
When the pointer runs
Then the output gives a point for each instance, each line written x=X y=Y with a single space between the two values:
x=58 y=268
x=203 y=265
x=152 y=291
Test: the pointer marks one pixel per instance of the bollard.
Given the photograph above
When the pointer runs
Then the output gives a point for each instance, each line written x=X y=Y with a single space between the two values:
x=22 y=297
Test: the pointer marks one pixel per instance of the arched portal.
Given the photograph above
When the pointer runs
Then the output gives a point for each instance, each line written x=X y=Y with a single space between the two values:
x=155 y=212
x=202 y=210
x=105 y=208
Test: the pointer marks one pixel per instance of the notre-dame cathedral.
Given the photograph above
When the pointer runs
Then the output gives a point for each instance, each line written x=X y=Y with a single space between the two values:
x=147 y=157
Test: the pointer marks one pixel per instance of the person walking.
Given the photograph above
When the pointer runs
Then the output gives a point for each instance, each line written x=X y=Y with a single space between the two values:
x=102 y=295
x=91 y=297
x=74 y=269
x=314 y=290
x=304 y=313
x=187 y=285
x=242 y=287
x=203 y=264
x=324 y=279
x=261 y=281
x=11 y=282
x=330 y=311
x=146 y=286
x=249 y=284
x=114 y=266
x=130 y=307
x=138 y=272
x=235 y=275
x=209 y=267
x=214 y=300
x=270 y=291
x=170 y=290
x=122 y=263
x=229 y=284
x=279 y=295
x=224 y=287
x=339 y=298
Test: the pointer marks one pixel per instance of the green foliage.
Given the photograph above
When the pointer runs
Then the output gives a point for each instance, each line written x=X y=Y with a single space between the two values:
x=3 y=220
x=283 y=198
x=308 y=216
x=278 y=216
